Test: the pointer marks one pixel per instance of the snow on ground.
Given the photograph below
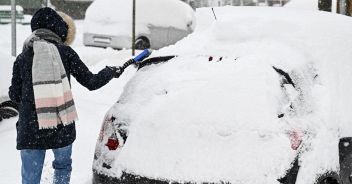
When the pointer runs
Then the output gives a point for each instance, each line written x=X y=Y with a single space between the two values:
x=91 y=106
x=6 y=71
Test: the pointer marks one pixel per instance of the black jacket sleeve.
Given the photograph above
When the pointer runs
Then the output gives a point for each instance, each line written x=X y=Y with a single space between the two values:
x=15 y=90
x=81 y=72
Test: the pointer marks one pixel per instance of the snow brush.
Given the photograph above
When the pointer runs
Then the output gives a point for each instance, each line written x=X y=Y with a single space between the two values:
x=138 y=58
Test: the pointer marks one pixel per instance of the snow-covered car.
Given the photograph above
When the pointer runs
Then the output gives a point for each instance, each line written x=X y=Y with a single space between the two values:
x=159 y=23
x=8 y=109
x=260 y=95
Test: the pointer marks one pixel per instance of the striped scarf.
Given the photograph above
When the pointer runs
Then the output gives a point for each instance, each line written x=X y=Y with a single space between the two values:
x=52 y=92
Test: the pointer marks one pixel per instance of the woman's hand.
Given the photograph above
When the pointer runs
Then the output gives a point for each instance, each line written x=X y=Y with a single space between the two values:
x=117 y=71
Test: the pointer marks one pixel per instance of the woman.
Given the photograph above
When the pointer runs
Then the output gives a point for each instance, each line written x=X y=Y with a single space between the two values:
x=41 y=87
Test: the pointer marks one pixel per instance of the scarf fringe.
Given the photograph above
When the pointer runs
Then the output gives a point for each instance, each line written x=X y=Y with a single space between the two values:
x=55 y=126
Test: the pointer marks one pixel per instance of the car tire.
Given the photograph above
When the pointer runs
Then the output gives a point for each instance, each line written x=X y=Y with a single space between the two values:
x=329 y=178
x=8 y=109
x=291 y=174
x=142 y=43
x=345 y=158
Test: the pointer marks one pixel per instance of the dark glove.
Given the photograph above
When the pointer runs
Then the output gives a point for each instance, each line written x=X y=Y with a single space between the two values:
x=117 y=71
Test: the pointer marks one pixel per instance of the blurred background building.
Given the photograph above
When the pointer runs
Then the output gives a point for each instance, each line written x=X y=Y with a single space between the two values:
x=206 y=3
x=75 y=8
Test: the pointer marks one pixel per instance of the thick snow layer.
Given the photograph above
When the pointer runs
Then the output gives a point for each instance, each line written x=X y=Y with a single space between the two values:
x=191 y=119
x=114 y=17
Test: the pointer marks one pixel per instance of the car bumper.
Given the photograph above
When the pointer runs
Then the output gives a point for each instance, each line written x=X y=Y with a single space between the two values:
x=100 y=40
x=126 y=178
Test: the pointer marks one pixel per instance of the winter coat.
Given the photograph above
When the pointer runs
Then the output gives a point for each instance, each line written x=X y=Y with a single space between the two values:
x=29 y=136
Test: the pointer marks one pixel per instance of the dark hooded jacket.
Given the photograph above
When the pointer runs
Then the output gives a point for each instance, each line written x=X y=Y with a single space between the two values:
x=29 y=136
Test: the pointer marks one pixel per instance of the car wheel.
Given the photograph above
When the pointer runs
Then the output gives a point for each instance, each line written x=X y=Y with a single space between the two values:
x=291 y=174
x=8 y=109
x=142 y=43
x=329 y=178
x=345 y=157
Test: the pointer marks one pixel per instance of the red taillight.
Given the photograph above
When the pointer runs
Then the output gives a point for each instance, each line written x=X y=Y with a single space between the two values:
x=113 y=143
x=296 y=138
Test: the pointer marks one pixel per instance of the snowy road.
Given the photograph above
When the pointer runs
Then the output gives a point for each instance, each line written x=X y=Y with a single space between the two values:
x=91 y=107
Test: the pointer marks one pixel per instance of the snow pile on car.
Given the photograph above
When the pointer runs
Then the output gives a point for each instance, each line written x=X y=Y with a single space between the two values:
x=195 y=120
x=114 y=17
x=199 y=121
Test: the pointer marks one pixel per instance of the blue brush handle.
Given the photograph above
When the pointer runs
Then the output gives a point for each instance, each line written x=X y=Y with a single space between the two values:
x=138 y=58
x=142 y=55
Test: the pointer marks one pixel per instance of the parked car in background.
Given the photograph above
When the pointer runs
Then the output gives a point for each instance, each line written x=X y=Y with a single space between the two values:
x=302 y=4
x=8 y=108
x=253 y=98
x=159 y=23
x=5 y=15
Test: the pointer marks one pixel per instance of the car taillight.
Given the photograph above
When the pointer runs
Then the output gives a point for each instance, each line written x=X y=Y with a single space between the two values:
x=296 y=138
x=113 y=143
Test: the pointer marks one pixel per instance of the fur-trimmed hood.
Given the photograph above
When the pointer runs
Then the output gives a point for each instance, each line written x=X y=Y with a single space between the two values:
x=57 y=22
x=71 y=32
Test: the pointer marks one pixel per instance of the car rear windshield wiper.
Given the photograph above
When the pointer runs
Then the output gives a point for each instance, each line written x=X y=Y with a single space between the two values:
x=288 y=79
x=154 y=60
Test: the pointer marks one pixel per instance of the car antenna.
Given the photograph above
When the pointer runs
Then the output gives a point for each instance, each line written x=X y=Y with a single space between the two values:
x=214 y=13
